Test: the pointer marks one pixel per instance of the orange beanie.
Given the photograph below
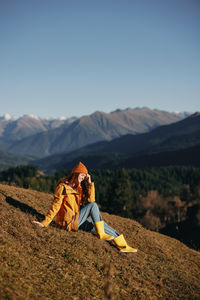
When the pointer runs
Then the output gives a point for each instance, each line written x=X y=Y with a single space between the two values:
x=80 y=168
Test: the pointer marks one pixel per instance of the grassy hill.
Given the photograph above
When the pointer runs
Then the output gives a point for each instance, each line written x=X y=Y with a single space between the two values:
x=50 y=263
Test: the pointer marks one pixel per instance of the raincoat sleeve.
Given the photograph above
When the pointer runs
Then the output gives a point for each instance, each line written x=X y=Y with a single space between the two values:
x=91 y=192
x=57 y=202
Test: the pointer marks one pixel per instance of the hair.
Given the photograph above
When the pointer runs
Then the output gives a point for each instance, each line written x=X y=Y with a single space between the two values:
x=73 y=181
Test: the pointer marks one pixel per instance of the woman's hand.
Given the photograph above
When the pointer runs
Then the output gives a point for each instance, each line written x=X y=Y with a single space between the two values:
x=38 y=223
x=88 y=178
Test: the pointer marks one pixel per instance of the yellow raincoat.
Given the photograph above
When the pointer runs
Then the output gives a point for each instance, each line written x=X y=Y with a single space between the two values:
x=66 y=205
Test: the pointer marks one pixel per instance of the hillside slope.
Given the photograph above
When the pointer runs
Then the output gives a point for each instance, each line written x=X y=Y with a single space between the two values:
x=50 y=263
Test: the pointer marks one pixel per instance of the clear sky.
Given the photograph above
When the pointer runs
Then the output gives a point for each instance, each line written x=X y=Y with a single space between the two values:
x=71 y=58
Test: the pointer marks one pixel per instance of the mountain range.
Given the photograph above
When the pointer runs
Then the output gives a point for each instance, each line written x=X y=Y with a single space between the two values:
x=138 y=137
x=38 y=137
x=177 y=144
x=14 y=129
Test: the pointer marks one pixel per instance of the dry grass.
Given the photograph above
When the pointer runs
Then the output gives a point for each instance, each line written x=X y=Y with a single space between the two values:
x=50 y=263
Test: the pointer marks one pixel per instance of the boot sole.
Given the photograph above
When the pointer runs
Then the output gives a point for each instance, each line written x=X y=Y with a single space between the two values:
x=128 y=251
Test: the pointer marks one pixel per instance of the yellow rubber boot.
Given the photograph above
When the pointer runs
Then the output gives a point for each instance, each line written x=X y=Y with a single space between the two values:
x=99 y=226
x=122 y=244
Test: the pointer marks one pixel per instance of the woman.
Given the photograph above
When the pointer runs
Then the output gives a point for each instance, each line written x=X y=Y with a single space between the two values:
x=74 y=202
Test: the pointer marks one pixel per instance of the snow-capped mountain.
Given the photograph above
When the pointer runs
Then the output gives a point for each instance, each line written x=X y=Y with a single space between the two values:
x=13 y=128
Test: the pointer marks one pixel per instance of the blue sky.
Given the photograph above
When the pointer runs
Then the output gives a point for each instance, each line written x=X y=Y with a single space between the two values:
x=75 y=57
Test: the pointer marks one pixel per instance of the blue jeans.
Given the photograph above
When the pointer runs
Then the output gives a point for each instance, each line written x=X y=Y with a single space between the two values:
x=92 y=209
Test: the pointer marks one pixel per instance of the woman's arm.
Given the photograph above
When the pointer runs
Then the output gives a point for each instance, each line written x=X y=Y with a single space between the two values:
x=57 y=202
x=91 y=190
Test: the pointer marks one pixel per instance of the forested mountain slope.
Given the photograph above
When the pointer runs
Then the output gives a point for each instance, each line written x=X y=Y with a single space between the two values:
x=10 y=160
